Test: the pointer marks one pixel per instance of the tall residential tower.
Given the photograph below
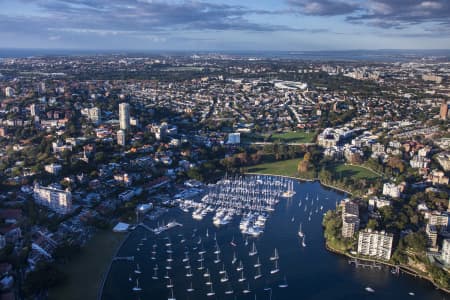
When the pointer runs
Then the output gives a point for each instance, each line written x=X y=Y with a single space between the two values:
x=124 y=116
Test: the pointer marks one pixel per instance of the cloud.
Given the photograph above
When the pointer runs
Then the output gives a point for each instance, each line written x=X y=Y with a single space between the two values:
x=148 y=15
x=324 y=7
x=403 y=13
x=387 y=14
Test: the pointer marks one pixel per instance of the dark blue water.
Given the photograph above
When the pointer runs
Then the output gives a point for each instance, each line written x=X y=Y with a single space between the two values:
x=344 y=55
x=311 y=272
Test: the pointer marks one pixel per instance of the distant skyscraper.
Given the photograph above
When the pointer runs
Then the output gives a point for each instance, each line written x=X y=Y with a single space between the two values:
x=121 y=137
x=9 y=92
x=444 y=110
x=41 y=88
x=124 y=116
x=34 y=110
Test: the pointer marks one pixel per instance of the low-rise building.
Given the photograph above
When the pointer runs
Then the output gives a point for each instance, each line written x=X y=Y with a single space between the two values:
x=391 y=190
x=375 y=202
x=54 y=169
x=438 y=219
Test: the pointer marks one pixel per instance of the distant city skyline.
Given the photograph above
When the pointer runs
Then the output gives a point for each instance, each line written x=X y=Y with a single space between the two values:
x=284 y=25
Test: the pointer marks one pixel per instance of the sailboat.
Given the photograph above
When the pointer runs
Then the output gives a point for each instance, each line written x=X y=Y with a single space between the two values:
x=234 y=258
x=206 y=274
x=300 y=203
x=303 y=241
x=293 y=219
x=155 y=274
x=275 y=255
x=233 y=243
x=223 y=269
x=207 y=232
x=246 y=241
x=240 y=267
x=253 y=251
x=284 y=284
x=190 y=288
x=171 y=295
x=217 y=260
x=201 y=267
x=167 y=275
x=242 y=278
x=189 y=273
x=247 y=290
x=217 y=251
x=258 y=263
x=229 y=291
x=201 y=258
x=275 y=268
x=202 y=251
x=300 y=232
x=168 y=267
x=137 y=270
x=136 y=288
x=215 y=236
x=169 y=259
x=224 y=278
x=186 y=258
x=211 y=292
x=170 y=284
x=129 y=278
x=258 y=273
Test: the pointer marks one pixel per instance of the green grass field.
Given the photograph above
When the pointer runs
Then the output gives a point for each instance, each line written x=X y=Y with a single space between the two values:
x=85 y=271
x=289 y=168
x=284 y=167
x=293 y=137
x=353 y=171
x=286 y=137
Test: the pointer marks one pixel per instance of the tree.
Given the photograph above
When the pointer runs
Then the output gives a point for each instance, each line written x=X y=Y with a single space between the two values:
x=372 y=224
x=416 y=241
x=45 y=276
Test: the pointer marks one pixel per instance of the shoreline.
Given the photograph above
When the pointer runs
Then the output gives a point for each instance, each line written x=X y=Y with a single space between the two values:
x=406 y=269
x=303 y=179
x=107 y=271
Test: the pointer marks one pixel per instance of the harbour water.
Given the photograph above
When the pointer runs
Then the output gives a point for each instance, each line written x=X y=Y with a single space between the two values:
x=310 y=272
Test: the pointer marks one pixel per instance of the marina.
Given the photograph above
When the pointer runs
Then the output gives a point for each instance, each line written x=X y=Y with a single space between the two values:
x=225 y=262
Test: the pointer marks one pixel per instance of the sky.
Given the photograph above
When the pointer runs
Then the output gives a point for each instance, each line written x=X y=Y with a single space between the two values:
x=232 y=25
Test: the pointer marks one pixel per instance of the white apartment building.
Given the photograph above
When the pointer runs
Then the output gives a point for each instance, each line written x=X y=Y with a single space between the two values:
x=375 y=244
x=57 y=200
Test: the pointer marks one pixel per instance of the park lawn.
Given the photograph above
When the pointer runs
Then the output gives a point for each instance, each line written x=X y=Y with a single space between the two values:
x=293 y=137
x=284 y=167
x=356 y=172
x=85 y=272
